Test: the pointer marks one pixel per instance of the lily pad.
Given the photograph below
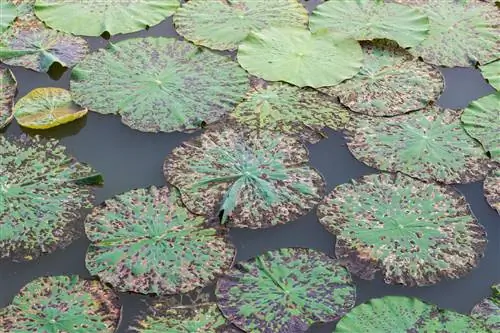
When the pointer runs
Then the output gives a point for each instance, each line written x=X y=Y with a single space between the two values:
x=390 y=83
x=491 y=189
x=8 y=88
x=300 y=57
x=368 y=20
x=159 y=84
x=43 y=192
x=8 y=13
x=223 y=24
x=94 y=17
x=429 y=144
x=44 y=108
x=254 y=181
x=392 y=314
x=285 y=290
x=491 y=72
x=488 y=310
x=290 y=110
x=415 y=233
x=481 y=120
x=146 y=241
x=62 y=304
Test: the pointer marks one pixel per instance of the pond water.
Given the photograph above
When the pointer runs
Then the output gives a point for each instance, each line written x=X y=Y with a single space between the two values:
x=130 y=159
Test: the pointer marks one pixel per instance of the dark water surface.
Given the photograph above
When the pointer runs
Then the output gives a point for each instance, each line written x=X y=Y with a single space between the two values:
x=130 y=159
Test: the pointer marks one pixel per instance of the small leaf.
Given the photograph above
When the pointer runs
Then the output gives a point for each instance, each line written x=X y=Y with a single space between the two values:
x=8 y=88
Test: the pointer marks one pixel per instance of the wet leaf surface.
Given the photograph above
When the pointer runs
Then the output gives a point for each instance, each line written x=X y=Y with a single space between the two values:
x=491 y=72
x=8 y=88
x=492 y=189
x=8 y=13
x=488 y=310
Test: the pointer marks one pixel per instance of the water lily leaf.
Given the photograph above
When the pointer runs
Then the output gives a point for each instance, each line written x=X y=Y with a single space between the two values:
x=390 y=83
x=94 y=17
x=488 y=310
x=25 y=8
x=299 y=57
x=285 y=290
x=62 y=304
x=133 y=249
x=8 y=13
x=415 y=233
x=481 y=120
x=491 y=189
x=8 y=88
x=253 y=181
x=223 y=24
x=404 y=314
x=491 y=72
x=290 y=110
x=43 y=193
x=44 y=108
x=368 y=20
x=429 y=144
x=159 y=84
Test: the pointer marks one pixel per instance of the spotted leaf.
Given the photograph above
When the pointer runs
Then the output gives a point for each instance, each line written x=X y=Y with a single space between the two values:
x=488 y=310
x=8 y=88
x=491 y=189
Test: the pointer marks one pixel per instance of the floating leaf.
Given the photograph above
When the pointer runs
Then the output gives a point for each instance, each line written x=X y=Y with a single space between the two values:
x=291 y=110
x=285 y=290
x=488 y=310
x=159 y=84
x=253 y=181
x=416 y=233
x=491 y=72
x=8 y=13
x=223 y=24
x=430 y=144
x=25 y=8
x=8 y=88
x=146 y=241
x=62 y=304
x=390 y=83
x=42 y=197
x=368 y=20
x=492 y=189
x=94 y=17
x=299 y=57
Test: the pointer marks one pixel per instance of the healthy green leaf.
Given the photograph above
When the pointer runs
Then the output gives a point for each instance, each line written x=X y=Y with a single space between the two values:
x=488 y=311
x=491 y=72
x=8 y=13
x=491 y=188
x=8 y=88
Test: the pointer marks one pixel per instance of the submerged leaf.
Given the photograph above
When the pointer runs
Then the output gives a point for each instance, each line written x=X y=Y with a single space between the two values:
x=8 y=88
x=491 y=189
x=8 y=13
x=491 y=72
x=488 y=310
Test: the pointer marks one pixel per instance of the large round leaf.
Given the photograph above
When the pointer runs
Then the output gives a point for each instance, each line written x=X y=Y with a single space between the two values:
x=391 y=82
x=223 y=24
x=415 y=233
x=254 y=181
x=8 y=88
x=481 y=120
x=369 y=19
x=94 y=17
x=430 y=144
x=299 y=57
x=8 y=13
x=291 y=110
x=492 y=189
x=488 y=310
x=491 y=72
x=146 y=241
x=159 y=84
x=285 y=290
x=42 y=194
x=398 y=314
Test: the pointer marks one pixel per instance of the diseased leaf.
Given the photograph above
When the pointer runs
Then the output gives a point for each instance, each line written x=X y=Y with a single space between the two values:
x=62 y=304
x=223 y=24
x=299 y=57
x=8 y=13
x=415 y=233
x=8 y=88
x=488 y=311
x=491 y=189
x=159 y=84
x=285 y=290
x=146 y=241
x=491 y=72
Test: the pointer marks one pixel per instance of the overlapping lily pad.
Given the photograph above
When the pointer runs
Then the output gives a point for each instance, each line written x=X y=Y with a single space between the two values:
x=223 y=24
x=368 y=20
x=415 y=233
x=429 y=144
x=488 y=310
x=491 y=189
x=300 y=57
x=43 y=193
x=390 y=83
x=285 y=290
x=491 y=72
x=146 y=241
x=8 y=13
x=62 y=304
x=253 y=181
x=8 y=88
x=159 y=84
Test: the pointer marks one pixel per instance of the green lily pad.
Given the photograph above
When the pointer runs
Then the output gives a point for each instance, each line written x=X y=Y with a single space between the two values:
x=368 y=20
x=290 y=110
x=146 y=241
x=285 y=290
x=481 y=120
x=62 y=304
x=42 y=196
x=159 y=84
x=429 y=144
x=390 y=83
x=8 y=13
x=253 y=181
x=415 y=233
x=392 y=314
x=8 y=87
x=299 y=57
x=491 y=72
x=25 y=8
x=223 y=24
x=488 y=310
x=491 y=188
x=94 y=17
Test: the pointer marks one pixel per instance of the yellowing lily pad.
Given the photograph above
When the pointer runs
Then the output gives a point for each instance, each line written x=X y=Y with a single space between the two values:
x=491 y=72
x=8 y=87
